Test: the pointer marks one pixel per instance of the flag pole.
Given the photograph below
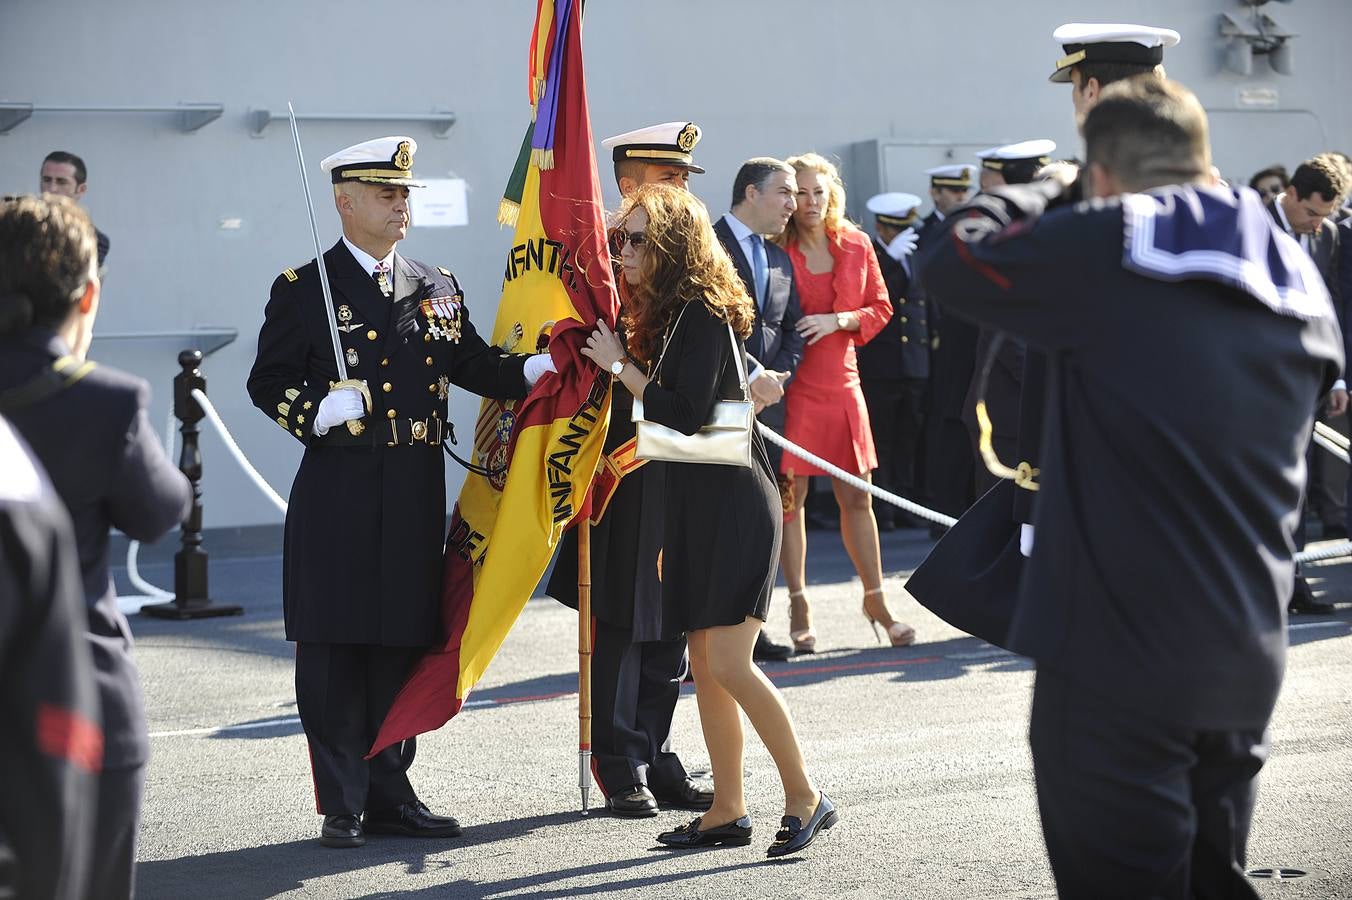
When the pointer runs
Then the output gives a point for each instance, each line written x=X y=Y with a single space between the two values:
x=584 y=655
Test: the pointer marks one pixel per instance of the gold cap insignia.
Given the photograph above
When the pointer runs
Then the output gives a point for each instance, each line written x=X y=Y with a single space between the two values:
x=688 y=137
x=403 y=157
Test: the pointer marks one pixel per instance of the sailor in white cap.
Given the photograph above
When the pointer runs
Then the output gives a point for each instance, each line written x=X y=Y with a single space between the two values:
x=366 y=526
x=1096 y=55
x=655 y=154
x=950 y=186
x=894 y=367
x=636 y=670
x=1014 y=163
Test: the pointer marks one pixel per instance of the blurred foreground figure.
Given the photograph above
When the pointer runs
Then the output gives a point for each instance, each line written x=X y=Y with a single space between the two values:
x=51 y=746
x=1158 y=624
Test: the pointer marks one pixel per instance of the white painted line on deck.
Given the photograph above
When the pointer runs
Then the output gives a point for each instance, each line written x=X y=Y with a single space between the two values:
x=221 y=729
x=1332 y=624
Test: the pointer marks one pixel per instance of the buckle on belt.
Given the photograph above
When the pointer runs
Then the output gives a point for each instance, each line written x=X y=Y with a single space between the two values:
x=419 y=431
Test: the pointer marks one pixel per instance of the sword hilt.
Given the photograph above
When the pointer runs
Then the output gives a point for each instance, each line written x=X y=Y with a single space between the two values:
x=355 y=426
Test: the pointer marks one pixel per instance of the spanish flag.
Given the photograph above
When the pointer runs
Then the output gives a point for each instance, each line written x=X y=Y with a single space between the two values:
x=539 y=454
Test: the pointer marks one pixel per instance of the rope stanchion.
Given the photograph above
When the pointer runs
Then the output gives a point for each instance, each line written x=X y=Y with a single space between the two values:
x=228 y=439
x=854 y=480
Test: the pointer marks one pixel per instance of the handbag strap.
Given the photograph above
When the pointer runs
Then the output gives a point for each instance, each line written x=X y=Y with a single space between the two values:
x=739 y=358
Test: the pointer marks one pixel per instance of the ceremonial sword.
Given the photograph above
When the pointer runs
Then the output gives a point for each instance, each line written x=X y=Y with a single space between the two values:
x=354 y=426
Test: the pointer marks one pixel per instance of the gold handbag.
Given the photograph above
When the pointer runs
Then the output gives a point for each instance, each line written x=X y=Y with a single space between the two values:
x=723 y=440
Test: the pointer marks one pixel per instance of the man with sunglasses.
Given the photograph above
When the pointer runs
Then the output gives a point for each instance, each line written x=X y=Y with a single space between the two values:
x=636 y=676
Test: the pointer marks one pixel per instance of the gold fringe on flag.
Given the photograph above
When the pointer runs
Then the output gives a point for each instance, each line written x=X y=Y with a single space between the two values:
x=542 y=159
x=508 y=212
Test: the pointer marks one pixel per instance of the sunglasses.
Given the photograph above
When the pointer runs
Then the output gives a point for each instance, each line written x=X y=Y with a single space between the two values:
x=635 y=239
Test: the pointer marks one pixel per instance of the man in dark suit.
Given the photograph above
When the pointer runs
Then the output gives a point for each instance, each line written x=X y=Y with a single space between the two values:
x=1317 y=188
x=949 y=461
x=894 y=367
x=365 y=532
x=636 y=673
x=114 y=476
x=763 y=200
x=1158 y=628
x=52 y=745
x=65 y=174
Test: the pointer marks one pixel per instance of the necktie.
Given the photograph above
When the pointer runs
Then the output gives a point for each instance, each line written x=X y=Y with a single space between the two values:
x=382 y=277
x=759 y=267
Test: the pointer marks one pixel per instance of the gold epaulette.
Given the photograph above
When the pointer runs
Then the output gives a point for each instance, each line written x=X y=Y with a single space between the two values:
x=290 y=275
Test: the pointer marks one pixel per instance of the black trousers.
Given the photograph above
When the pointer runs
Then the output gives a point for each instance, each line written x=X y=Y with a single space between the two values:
x=112 y=868
x=635 y=687
x=951 y=469
x=1136 y=807
x=343 y=692
x=1328 y=485
x=896 y=413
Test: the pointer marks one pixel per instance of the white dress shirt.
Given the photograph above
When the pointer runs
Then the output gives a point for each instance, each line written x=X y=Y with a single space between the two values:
x=369 y=262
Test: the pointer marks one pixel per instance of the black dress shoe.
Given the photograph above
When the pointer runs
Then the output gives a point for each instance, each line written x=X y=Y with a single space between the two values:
x=411 y=819
x=793 y=835
x=1303 y=600
x=687 y=837
x=767 y=650
x=342 y=831
x=691 y=794
x=634 y=802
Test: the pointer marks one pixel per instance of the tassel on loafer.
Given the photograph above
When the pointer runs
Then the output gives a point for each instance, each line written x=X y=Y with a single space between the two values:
x=733 y=834
x=794 y=836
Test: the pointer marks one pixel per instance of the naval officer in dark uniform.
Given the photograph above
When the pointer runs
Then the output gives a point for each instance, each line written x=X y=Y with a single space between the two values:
x=1158 y=625
x=949 y=464
x=636 y=674
x=894 y=367
x=88 y=426
x=366 y=526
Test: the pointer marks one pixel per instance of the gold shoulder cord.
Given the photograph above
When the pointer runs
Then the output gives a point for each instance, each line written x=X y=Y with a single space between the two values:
x=1024 y=475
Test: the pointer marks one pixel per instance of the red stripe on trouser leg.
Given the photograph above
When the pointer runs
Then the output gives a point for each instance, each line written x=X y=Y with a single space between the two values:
x=65 y=734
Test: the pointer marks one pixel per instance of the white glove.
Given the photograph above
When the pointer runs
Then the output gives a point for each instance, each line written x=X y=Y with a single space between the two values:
x=537 y=366
x=903 y=245
x=339 y=406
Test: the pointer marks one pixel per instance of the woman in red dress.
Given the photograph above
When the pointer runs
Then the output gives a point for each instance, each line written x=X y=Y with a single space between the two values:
x=844 y=303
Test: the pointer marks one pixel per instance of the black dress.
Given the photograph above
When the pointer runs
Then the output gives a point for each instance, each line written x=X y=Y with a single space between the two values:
x=721 y=524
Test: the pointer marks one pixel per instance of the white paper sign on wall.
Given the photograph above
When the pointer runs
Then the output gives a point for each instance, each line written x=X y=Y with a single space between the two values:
x=444 y=203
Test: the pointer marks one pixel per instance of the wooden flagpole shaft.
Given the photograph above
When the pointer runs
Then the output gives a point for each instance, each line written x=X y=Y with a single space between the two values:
x=584 y=659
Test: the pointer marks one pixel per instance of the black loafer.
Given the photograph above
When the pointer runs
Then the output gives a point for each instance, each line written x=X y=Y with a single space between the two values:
x=793 y=835
x=634 y=802
x=341 y=831
x=691 y=794
x=411 y=819
x=767 y=650
x=733 y=834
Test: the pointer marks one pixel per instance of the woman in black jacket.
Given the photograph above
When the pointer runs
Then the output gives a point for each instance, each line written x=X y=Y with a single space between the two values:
x=687 y=313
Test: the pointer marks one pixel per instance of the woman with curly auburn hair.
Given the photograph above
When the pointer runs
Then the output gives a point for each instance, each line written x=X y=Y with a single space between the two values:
x=845 y=303
x=721 y=523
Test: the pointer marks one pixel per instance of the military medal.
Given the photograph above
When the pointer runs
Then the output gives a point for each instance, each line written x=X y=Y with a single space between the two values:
x=443 y=317
x=351 y=356
x=345 y=317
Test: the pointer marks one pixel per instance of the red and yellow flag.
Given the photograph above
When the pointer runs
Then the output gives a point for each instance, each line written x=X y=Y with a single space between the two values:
x=557 y=284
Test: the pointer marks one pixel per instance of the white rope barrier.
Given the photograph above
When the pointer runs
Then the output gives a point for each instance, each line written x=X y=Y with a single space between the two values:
x=131 y=604
x=854 y=480
x=1332 y=434
x=1330 y=445
x=215 y=419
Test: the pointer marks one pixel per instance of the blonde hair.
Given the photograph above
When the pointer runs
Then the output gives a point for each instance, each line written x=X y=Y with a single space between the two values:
x=834 y=215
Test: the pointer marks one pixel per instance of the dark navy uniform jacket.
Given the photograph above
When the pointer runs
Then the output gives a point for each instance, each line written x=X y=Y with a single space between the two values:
x=1178 y=416
x=901 y=349
x=367 y=521
x=105 y=460
x=51 y=745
